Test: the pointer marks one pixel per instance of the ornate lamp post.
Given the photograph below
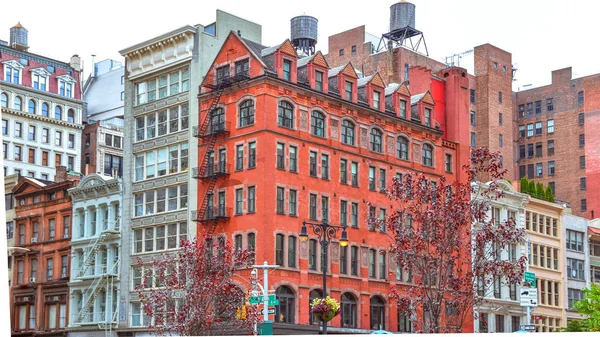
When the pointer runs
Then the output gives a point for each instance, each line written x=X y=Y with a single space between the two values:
x=325 y=232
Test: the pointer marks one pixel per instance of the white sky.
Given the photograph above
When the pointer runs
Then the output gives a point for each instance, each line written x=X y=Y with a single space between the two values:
x=541 y=35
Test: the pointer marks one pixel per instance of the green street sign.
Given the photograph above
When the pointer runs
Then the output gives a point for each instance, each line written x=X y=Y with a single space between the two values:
x=530 y=278
x=259 y=299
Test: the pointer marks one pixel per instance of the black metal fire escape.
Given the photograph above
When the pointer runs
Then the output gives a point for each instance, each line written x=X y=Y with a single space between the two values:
x=208 y=132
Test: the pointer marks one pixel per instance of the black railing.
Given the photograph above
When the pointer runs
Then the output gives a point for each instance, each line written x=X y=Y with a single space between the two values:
x=220 y=169
x=214 y=129
x=212 y=214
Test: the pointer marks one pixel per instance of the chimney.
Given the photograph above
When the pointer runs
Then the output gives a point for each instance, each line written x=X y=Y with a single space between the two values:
x=61 y=174
x=75 y=62
x=18 y=37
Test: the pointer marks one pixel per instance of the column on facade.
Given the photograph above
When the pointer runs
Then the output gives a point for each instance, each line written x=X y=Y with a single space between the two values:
x=99 y=222
x=111 y=215
x=87 y=221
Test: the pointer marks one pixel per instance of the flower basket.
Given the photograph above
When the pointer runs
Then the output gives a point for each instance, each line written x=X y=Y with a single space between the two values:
x=325 y=309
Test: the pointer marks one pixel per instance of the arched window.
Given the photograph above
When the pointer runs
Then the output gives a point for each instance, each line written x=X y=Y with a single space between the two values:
x=4 y=100
x=402 y=148
x=31 y=106
x=57 y=113
x=427 y=155
x=45 y=109
x=376 y=140
x=247 y=113
x=284 y=313
x=377 y=313
x=317 y=124
x=71 y=116
x=349 y=313
x=316 y=293
x=217 y=121
x=285 y=115
x=17 y=105
x=347 y=132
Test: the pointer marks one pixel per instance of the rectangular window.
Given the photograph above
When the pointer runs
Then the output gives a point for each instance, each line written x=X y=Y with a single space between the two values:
x=343 y=212
x=538 y=149
x=530 y=150
x=344 y=260
x=522 y=152
x=32 y=132
x=529 y=109
x=293 y=159
x=448 y=162
x=472 y=118
x=582 y=162
x=319 y=80
x=549 y=105
x=580 y=97
x=538 y=128
x=499 y=323
x=354 y=213
x=551 y=168
x=354 y=261
x=499 y=97
x=324 y=166
x=371 y=178
x=312 y=254
x=581 y=119
x=521 y=131
x=538 y=108
x=280 y=157
x=372 y=261
x=51 y=229
x=382 y=180
x=287 y=66
x=427 y=117
x=581 y=140
x=293 y=201
x=279 y=249
x=575 y=269
x=313 y=207
x=376 y=99
x=551 y=147
x=325 y=208
x=473 y=139
x=343 y=172
x=31 y=156
x=348 y=91
x=382 y=266
x=402 y=109
x=251 y=199
x=239 y=157
x=313 y=164
x=500 y=140
x=50 y=269
x=354 y=173
x=239 y=200
x=472 y=96
x=582 y=183
x=575 y=240
x=251 y=154
x=291 y=252
x=500 y=119
x=280 y=207
x=530 y=130
x=550 y=126
x=521 y=110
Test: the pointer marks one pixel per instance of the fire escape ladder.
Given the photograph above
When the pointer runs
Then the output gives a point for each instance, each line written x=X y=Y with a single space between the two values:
x=91 y=254
x=90 y=295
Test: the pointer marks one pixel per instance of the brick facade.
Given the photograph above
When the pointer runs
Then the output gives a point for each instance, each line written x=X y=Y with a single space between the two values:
x=276 y=184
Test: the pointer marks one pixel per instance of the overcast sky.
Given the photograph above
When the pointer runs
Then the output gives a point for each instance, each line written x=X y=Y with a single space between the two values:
x=541 y=35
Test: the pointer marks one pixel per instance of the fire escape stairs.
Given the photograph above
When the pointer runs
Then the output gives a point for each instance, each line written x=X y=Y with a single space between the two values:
x=92 y=292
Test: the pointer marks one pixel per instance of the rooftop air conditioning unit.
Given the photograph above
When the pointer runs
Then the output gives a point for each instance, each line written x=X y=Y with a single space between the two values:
x=33 y=240
x=32 y=280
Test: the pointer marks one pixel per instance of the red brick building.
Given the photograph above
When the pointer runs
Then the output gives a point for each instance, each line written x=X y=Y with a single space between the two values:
x=293 y=139
x=39 y=293
x=557 y=144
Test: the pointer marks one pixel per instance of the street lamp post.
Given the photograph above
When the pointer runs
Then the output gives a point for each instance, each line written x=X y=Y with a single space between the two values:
x=325 y=232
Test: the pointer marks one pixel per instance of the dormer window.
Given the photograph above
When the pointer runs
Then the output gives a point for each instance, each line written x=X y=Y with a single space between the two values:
x=242 y=68
x=319 y=80
x=428 y=117
x=403 y=109
x=12 y=71
x=39 y=78
x=348 y=90
x=65 y=85
x=222 y=74
x=287 y=70
x=376 y=99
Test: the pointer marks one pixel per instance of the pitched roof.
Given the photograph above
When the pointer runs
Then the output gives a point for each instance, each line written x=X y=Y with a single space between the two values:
x=305 y=60
x=593 y=231
x=363 y=81
x=391 y=88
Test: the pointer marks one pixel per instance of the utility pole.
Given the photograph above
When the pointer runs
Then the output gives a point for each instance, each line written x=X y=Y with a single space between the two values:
x=527 y=269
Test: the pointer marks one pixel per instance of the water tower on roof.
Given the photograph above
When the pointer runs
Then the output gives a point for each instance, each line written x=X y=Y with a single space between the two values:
x=304 y=30
x=18 y=37
x=402 y=29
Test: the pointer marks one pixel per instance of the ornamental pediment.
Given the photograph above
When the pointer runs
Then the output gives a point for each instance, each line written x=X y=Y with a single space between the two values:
x=40 y=72
x=13 y=64
x=66 y=78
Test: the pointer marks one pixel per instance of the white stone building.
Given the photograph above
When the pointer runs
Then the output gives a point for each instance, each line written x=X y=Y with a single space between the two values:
x=576 y=261
x=501 y=310
x=96 y=247
x=162 y=76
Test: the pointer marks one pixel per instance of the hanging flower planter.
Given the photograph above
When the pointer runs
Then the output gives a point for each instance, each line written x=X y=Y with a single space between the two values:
x=325 y=309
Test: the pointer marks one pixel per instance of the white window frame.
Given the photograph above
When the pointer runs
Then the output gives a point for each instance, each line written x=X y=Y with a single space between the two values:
x=156 y=88
x=42 y=76
x=13 y=66
x=68 y=82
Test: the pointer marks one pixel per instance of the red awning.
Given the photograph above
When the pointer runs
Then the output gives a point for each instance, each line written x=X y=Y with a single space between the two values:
x=593 y=231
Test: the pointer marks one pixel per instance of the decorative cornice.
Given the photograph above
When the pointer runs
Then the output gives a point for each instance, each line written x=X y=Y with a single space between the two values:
x=41 y=118
x=40 y=71
x=13 y=64
x=66 y=78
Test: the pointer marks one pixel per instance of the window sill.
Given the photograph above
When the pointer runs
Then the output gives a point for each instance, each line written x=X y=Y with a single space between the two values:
x=244 y=126
x=279 y=213
x=285 y=127
x=325 y=178
x=293 y=215
x=253 y=212
x=251 y=167
x=313 y=176
x=294 y=171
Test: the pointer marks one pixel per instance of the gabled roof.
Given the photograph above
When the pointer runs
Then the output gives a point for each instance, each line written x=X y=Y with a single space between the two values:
x=286 y=47
x=363 y=81
x=425 y=97
x=347 y=69
x=375 y=79
x=36 y=183
x=316 y=58
x=399 y=88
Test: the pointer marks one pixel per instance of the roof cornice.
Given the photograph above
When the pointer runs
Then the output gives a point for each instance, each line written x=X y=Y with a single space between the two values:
x=156 y=42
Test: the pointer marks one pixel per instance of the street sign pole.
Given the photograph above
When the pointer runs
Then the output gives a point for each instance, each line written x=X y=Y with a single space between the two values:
x=265 y=267
x=527 y=269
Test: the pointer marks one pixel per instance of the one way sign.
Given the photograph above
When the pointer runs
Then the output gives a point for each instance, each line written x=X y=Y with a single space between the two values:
x=271 y=311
